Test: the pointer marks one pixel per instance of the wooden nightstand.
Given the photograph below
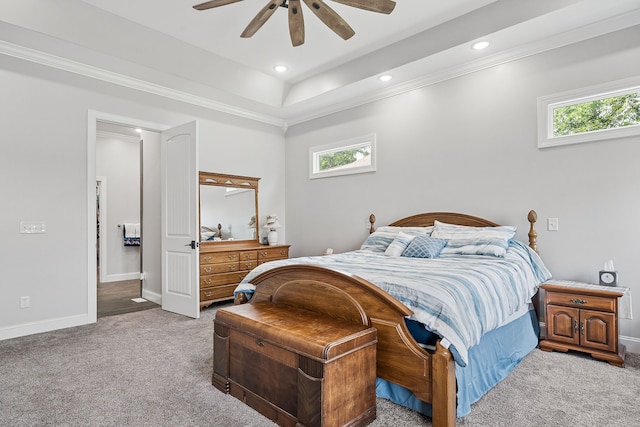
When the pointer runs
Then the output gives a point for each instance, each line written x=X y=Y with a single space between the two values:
x=582 y=319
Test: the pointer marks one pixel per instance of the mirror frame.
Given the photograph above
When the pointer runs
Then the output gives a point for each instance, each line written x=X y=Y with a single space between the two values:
x=235 y=181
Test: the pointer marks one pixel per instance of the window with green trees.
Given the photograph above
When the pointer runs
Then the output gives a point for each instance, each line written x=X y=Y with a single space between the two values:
x=356 y=155
x=603 y=112
x=608 y=113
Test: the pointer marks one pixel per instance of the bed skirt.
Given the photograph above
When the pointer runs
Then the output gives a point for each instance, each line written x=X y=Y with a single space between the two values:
x=497 y=354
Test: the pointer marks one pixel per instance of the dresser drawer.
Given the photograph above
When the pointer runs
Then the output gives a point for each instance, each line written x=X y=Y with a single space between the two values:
x=217 y=292
x=247 y=265
x=581 y=301
x=273 y=253
x=216 y=258
x=225 y=267
x=248 y=255
x=221 y=279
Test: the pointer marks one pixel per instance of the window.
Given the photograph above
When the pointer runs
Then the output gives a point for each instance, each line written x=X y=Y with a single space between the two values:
x=597 y=113
x=357 y=155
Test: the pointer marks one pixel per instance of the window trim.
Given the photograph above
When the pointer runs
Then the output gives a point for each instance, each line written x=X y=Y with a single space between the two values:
x=546 y=105
x=315 y=152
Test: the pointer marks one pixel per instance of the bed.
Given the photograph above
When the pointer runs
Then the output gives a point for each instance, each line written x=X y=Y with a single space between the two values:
x=437 y=353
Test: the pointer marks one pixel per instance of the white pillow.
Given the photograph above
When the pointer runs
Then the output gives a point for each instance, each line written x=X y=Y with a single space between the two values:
x=466 y=240
x=399 y=244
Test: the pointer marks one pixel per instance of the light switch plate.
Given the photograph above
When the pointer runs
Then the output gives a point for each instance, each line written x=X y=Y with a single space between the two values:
x=552 y=224
x=32 y=227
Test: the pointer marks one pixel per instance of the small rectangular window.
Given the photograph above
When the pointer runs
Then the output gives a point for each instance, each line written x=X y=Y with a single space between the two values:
x=356 y=155
x=602 y=112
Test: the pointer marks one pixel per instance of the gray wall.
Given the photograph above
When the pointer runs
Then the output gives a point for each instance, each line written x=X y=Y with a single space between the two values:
x=118 y=162
x=469 y=145
x=43 y=177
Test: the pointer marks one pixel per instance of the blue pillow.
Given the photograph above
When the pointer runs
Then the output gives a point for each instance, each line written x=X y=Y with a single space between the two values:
x=424 y=247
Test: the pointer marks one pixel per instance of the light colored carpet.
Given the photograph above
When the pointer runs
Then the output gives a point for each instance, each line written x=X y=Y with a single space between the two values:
x=153 y=368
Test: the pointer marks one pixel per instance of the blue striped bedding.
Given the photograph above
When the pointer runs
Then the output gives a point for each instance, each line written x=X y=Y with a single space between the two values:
x=459 y=297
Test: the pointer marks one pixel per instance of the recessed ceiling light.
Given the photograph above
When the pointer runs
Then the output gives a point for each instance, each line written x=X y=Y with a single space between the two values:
x=280 y=68
x=385 y=78
x=480 y=45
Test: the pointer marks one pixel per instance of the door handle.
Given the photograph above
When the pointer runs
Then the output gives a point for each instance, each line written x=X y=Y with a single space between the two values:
x=193 y=244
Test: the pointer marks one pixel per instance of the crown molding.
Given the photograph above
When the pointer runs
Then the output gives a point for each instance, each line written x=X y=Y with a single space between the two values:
x=331 y=106
x=564 y=39
x=43 y=58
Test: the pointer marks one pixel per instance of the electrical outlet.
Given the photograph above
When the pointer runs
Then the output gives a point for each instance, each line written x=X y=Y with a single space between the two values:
x=25 y=302
x=552 y=224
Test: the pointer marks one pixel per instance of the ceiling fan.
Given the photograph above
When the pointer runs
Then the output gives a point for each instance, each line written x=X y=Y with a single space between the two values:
x=296 y=23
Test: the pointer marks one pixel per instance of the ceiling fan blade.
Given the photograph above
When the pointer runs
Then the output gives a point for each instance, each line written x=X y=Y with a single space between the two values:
x=381 y=6
x=260 y=18
x=213 y=3
x=330 y=18
x=296 y=23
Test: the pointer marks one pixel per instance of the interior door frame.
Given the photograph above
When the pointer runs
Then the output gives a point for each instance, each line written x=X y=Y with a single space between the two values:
x=93 y=117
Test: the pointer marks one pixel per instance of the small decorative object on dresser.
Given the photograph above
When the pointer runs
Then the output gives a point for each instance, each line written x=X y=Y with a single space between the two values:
x=584 y=317
x=272 y=225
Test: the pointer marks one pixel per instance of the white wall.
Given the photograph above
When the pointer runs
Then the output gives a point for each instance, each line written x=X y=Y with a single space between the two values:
x=118 y=161
x=151 y=218
x=43 y=177
x=469 y=145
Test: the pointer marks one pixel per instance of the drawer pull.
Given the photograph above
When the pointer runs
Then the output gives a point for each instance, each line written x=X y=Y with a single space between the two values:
x=260 y=343
x=578 y=301
x=207 y=259
x=241 y=276
x=207 y=269
x=208 y=294
x=207 y=281
x=231 y=256
x=575 y=326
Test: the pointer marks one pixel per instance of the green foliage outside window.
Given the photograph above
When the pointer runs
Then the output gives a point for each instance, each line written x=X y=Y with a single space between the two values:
x=343 y=157
x=609 y=113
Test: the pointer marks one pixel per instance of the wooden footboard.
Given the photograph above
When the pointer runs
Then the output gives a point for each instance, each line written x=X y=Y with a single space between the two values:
x=431 y=377
x=400 y=360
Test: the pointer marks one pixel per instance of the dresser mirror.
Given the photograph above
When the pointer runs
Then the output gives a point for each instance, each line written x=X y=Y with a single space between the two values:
x=228 y=208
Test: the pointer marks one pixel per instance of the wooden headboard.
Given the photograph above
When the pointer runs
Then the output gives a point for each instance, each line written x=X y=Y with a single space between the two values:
x=428 y=219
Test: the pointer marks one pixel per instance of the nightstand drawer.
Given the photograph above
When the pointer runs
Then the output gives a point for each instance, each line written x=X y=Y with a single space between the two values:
x=581 y=301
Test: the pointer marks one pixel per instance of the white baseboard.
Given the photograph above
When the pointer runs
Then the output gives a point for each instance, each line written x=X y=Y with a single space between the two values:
x=152 y=296
x=108 y=278
x=43 y=326
x=632 y=344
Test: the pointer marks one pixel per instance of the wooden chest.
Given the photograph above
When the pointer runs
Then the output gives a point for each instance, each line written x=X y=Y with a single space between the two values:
x=295 y=366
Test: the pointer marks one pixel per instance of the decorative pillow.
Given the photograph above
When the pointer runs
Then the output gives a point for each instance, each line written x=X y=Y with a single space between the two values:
x=379 y=240
x=465 y=240
x=424 y=247
x=399 y=244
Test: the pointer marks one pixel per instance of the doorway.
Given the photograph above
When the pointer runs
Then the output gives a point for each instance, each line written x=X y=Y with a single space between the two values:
x=161 y=143
x=119 y=220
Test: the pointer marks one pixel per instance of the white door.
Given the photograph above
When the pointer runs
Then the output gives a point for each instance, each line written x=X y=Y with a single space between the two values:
x=179 y=204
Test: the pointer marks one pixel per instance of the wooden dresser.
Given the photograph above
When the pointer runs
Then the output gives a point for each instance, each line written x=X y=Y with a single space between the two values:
x=224 y=264
x=584 y=320
x=295 y=366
